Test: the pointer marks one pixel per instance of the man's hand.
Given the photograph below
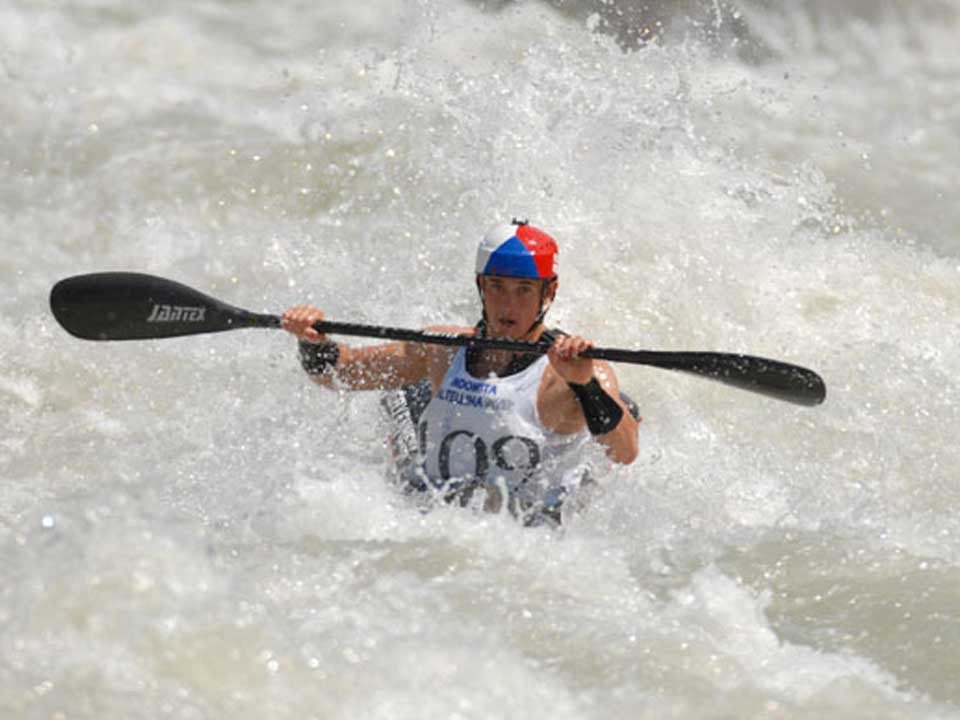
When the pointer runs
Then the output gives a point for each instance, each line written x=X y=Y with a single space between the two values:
x=300 y=319
x=565 y=358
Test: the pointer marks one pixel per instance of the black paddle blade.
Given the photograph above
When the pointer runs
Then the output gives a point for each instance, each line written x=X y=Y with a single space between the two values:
x=134 y=306
x=773 y=378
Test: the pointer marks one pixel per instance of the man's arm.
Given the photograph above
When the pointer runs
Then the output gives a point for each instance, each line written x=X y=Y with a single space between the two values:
x=377 y=367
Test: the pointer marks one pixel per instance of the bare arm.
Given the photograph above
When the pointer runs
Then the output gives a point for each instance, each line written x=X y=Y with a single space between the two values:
x=377 y=367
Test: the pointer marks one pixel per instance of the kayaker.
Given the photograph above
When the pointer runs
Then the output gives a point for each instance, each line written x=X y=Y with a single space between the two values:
x=513 y=424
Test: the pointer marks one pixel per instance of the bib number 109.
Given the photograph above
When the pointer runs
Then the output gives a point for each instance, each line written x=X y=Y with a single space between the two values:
x=511 y=453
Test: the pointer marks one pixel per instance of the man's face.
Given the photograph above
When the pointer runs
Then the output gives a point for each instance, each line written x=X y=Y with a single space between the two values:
x=512 y=304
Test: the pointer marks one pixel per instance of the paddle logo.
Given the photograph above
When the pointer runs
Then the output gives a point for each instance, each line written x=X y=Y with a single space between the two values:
x=176 y=313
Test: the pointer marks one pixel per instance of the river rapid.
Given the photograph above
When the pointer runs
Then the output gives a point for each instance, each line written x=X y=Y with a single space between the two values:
x=189 y=529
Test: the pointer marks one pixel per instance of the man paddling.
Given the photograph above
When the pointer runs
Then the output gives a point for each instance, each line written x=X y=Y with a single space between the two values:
x=511 y=424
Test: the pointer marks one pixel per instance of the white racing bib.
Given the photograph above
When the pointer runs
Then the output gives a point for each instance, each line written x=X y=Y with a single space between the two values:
x=488 y=430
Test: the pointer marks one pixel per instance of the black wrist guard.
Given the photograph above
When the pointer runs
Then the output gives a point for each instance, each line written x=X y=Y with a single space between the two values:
x=317 y=357
x=602 y=412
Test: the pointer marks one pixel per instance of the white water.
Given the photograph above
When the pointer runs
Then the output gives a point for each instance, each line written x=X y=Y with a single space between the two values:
x=189 y=530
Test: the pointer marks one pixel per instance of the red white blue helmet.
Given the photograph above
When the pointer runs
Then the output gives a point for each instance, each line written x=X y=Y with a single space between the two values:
x=517 y=250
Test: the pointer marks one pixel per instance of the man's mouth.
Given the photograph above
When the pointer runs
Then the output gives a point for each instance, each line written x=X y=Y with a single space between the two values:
x=504 y=327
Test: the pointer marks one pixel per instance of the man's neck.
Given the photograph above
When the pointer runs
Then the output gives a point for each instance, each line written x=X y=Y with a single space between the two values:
x=503 y=363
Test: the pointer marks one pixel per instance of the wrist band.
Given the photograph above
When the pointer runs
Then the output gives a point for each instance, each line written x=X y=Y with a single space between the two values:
x=315 y=358
x=602 y=412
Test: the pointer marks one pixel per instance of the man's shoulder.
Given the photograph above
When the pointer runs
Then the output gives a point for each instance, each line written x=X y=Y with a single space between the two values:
x=450 y=330
x=441 y=355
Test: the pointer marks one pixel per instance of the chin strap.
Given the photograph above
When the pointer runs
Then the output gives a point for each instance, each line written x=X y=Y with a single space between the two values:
x=483 y=308
x=543 y=310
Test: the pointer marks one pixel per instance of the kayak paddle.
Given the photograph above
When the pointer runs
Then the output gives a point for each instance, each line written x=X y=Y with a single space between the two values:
x=134 y=306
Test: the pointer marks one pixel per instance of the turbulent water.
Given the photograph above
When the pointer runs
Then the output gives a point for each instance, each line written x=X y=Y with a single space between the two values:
x=189 y=529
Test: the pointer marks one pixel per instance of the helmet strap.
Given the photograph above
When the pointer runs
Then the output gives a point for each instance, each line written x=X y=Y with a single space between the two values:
x=544 y=304
x=483 y=302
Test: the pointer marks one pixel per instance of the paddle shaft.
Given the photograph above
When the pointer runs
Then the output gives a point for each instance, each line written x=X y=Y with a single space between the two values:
x=772 y=378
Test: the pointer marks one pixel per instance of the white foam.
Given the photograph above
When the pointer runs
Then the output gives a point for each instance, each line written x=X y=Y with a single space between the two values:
x=23 y=389
x=701 y=202
x=735 y=626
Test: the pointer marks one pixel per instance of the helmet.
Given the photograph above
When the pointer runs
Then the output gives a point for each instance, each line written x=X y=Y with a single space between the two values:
x=517 y=250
